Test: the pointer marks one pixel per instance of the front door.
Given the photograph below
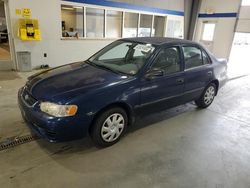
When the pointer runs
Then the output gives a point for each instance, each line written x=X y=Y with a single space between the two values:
x=163 y=90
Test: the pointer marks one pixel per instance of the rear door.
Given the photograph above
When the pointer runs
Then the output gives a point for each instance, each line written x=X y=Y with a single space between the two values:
x=198 y=71
x=164 y=90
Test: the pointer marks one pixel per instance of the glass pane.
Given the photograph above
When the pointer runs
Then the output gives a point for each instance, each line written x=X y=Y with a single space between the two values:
x=118 y=52
x=123 y=57
x=205 y=58
x=145 y=25
x=4 y=38
x=113 y=24
x=245 y=3
x=192 y=57
x=94 y=22
x=208 y=32
x=72 y=21
x=130 y=24
x=174 y=29
x=158 y=29
x=168 y=60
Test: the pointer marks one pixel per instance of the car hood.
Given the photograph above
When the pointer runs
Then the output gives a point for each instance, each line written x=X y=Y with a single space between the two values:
x=81 y=76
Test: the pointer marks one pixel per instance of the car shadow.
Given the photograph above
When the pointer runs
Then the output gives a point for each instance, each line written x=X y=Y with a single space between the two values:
x=86 y=145
x=150 y=119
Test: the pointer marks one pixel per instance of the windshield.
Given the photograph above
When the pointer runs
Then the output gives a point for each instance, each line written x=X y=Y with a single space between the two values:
x=123 y=56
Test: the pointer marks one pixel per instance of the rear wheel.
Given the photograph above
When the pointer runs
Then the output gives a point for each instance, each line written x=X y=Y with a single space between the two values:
x=109 y=127
x=207 y=96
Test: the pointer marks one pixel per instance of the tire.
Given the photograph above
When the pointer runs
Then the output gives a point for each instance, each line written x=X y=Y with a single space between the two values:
x=207 y=96
x=109 y=127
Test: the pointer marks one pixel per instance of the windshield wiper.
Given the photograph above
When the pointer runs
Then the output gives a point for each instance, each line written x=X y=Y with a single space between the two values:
x=108 y=68
x=105 y=67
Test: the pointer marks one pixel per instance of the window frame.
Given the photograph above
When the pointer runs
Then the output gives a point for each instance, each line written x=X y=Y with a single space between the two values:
x=245 y=3
x=202 y=51
x=208 y=57
x=85 y=6
x=157 y=55
x=103 y=24
x=203 y=29
x=121 y=24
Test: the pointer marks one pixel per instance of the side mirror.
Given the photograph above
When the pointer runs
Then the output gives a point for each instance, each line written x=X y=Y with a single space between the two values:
x=151 y=74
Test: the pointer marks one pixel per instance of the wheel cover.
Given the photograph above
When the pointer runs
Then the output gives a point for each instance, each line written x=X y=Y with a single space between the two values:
x=209 y=95
x=112 y=127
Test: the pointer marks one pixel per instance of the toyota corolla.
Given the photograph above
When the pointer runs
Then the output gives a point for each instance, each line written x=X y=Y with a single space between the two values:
x=102 y=96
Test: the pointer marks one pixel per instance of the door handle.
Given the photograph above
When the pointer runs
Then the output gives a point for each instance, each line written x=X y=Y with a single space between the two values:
x=179 y=80
x=209 y=73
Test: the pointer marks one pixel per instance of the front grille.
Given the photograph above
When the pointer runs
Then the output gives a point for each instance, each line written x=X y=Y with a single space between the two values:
x=51 y=134
x=28 y=98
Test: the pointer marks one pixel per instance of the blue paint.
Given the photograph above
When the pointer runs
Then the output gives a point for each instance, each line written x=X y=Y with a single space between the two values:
x=94 y=88
x=129 y=6
x=218 y=15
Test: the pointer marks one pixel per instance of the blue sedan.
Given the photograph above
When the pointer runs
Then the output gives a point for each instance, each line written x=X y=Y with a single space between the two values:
x=102 y=96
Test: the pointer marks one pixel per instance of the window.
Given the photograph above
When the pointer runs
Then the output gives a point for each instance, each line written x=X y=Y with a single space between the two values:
x=168 y=60
x=158 y=27
x=118 y=52
x=192 y=56
x=205 y=58
x=72 y=21
x=130 y=24
x=114 y=24
x=123 y=57
x=174 y=29
x=245 y=3
x=208 y=31
x=145 y=25
x=94 y=23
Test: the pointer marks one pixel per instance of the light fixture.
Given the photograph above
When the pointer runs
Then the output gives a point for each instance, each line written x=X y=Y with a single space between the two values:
x=77 y=7
x=67 y=8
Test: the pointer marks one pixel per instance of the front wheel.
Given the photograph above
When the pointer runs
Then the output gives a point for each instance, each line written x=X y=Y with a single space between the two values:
x=207 y=96
x=109 y=127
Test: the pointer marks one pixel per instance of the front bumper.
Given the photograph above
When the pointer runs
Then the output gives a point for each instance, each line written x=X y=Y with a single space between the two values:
x=53 y=129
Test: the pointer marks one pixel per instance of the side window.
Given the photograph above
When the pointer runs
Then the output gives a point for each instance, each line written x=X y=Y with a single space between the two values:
x=192 y=56
x=206 y=60
x=168 y=60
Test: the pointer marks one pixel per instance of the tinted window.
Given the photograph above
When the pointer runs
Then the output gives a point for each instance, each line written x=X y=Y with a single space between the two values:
x=205 y=58
x=192 y=56
x=168 y=60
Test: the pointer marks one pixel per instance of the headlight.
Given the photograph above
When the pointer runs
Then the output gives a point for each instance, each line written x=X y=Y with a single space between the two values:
x=58 y=110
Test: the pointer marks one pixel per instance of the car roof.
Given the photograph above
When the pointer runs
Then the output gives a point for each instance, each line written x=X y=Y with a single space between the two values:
x=159 y=40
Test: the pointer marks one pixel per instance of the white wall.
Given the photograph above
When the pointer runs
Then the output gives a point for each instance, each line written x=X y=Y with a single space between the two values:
x=220 y=6
x=224 y=30
x=60 y=52
x=223 y=35
x=244 y=20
